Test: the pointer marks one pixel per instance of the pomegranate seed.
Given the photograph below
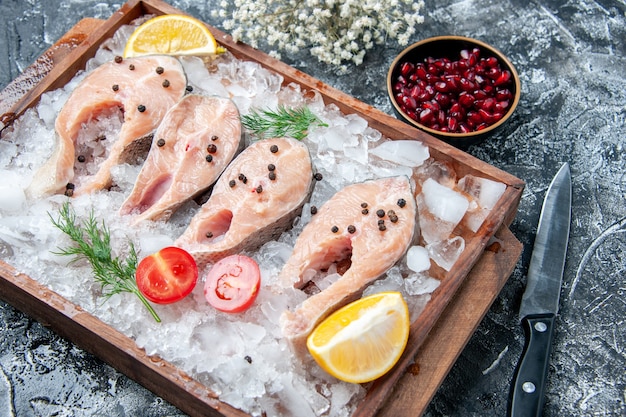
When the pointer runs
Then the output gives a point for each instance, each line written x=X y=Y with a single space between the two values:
x=420 y=71
x=488 y=104
x=494 y=73
x=441 y=117
x=463 y=128
x=426 y=116
x=432 y=105
x=453 y=124
x=464 y=53
x=406 y=69
x=466 y=99
x=442 y=87
x=443 y=99
x=480 y=94
x=414 y=91
x=503 y=94
x=501 y=106
x=474 y=117
x=504 y=78
x=491 y=62
x=409 y=102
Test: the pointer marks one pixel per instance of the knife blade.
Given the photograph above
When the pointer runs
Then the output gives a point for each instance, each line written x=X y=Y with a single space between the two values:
x=540 y=302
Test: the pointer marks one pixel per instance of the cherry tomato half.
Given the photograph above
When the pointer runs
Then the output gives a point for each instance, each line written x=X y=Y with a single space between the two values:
x=233 y=283
x=167 y=276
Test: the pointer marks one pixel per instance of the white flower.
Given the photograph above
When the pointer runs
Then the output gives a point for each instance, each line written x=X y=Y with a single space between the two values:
x=336 y=32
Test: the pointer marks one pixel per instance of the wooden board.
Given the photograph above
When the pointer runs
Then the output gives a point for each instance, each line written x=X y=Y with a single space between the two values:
x=437 y=337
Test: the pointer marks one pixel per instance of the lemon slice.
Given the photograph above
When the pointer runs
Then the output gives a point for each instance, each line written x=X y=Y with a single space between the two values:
x=171 y=34
x=363 y=340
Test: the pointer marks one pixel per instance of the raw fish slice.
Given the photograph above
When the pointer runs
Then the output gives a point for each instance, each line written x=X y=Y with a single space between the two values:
x=198 y=137
x=143 y=89
x=369 y=226
x=256 y=198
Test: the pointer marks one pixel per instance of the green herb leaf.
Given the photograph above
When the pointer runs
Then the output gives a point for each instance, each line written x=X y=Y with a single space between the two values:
x=93 y=244
x=291 y=122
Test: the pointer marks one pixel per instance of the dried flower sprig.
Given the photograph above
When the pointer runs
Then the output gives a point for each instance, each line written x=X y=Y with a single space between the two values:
x=93 y=244
x=336 y=32
x=292 y=122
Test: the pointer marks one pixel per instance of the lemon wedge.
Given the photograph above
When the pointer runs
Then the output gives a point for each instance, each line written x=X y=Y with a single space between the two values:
x=363 y=340
x=172 y=34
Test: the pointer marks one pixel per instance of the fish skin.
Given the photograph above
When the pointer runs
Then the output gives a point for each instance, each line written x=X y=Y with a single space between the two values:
x=95 y=95
x=178 y=170
x=240 y=217
x=372 y=251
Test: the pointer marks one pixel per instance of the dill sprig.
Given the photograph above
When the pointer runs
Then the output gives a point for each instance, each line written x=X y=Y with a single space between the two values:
x=93 y=244
x=291 y=122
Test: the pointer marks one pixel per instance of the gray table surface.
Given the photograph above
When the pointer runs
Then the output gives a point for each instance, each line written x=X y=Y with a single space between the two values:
x=571 y=59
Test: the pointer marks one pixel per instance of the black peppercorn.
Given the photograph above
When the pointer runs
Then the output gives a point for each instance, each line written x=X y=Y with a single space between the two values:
x=115 y=87
x=141 y=108
x=271 y=167
x=232 y=183
x=214 y=138
x=161 y=142
x=313 y=209
x=243 y=178
x=259 y=189
x=118 y=59
x=380 y=213
x=166 y=83
x=159 y=70
x=211 y=148
x=189 y=89
x=351 y=229
x=273 y=148
x=401 y=202
x=271 y=175
x=131 y=67
x=334 y=229
x=209 y=235
x=318 y=176
x=81 y=158
x=209 y=158
x=365 y=211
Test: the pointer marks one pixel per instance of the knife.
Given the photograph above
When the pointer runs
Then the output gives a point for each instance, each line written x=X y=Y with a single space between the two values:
x=540 y=302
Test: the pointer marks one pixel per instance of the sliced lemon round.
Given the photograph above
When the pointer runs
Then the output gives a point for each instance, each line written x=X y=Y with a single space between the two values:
x=363 y=340
x=171 y=34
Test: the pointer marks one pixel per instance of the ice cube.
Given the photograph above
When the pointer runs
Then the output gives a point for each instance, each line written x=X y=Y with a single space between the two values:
x=440 y=210
x=411 y=153
x=417 y=259
x=445 y=253
x=485 y=191
x=419 y=284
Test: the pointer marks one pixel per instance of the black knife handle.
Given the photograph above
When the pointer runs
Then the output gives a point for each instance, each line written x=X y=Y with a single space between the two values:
x=527 y=390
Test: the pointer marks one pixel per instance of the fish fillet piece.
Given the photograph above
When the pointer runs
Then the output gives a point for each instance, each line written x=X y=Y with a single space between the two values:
x=142 y=89
x=255 y=200
x=367 y=226
x=198 y=137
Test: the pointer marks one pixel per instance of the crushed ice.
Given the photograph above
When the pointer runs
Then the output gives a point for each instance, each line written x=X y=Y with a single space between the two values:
x=241 y=357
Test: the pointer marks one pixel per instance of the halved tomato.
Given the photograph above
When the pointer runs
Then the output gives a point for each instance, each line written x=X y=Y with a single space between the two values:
x=233 y=283
x=167 y=276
